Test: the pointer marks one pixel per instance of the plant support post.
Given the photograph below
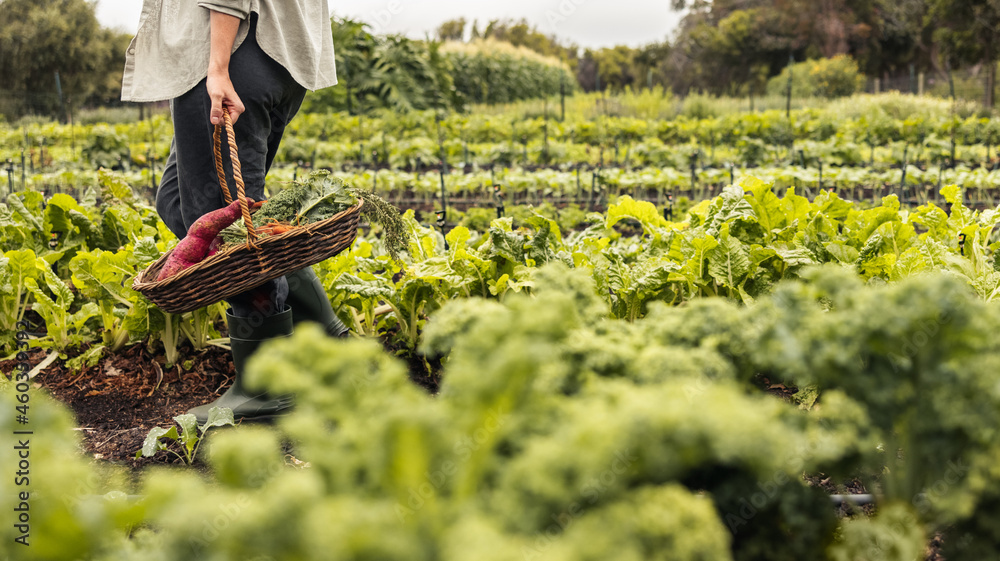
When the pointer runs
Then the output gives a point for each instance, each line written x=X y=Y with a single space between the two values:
x=788 y=103
x=902 y=180
x=10 y=176
x=444 y=194
x=562 y=96
x=498 y=195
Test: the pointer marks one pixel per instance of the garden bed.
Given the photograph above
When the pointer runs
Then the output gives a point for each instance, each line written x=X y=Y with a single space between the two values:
x=119 y=400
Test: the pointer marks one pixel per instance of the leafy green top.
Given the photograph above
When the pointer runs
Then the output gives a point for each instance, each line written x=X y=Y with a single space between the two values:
x=318 y=198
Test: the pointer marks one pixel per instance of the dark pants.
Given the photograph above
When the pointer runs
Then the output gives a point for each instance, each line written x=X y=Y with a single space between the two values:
x=190 y=186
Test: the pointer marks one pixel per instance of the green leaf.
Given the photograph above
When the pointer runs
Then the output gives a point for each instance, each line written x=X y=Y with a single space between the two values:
x=911 y=262
x=765 y=204
x=499 y=286
x=88 y=359
x=218 y=417
x=547 y=237
x=729 y=262
x=702 y=245
x=364 y=288
x=649 y=278
x=103 y=275
x=21 y=210
x=414 y=294
x=806 y=397
x=436 y=269
x=323 y=194
x=113 y=233
x=57 y=214
x=140 y=322
x=115 y=189
x=64 y=296
x=795 y=207
x=760 y=255
x=189 y=430
x=146 y=252
x=871 y=249
x=23 y=265
x=85 y=226
x=152 y=444
x=952 y=194
x=423 y=242
x=796 y=256
x=458 y=238
x=506 y=244
x=6 y=286
x=641 y=211
x=731 y=205
x=80 y=318
x=832 y=206
x=842 y=252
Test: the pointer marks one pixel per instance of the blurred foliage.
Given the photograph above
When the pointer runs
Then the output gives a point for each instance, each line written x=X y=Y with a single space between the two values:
x=829 y=77
x=561 y=433
x=39 y=39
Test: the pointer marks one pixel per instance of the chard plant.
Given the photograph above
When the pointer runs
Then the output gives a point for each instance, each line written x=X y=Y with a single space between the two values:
x=65 y=328
x=16 y=267
x=199 y=326
x=105 y=278
x=22 y=223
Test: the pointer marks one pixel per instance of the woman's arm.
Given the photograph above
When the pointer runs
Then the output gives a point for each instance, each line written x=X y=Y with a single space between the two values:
x=219 y=84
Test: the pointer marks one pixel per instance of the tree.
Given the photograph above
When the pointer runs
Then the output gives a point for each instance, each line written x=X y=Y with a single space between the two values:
x=652 y=61
x=905 y=37
x=969 y=32
x=452 y=30
x=385 y=71
x=39 y=38
x=521 y=34
x=731 y=46
x=354 y=46
x=616 y=66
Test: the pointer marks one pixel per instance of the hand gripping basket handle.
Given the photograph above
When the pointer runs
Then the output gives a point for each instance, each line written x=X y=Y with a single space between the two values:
x=234 y=159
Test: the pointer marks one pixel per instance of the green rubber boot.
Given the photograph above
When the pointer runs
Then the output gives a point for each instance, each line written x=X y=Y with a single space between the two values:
x=309 y=302
x=245 y=338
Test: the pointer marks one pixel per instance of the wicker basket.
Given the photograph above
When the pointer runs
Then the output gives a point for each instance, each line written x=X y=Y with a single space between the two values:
x=242 y=268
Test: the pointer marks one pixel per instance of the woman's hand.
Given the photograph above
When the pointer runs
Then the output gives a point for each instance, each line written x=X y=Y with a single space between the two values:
x=222 y=93
x=219 y=85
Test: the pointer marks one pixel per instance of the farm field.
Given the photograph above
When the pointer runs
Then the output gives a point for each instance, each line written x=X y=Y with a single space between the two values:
x=714 y=353
x=864 y=147
x=698 y=280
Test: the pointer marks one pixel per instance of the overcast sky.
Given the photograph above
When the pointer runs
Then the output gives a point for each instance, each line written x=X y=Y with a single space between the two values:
x=589 y=23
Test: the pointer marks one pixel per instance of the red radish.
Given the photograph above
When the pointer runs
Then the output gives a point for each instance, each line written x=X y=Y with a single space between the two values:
x=195 y=246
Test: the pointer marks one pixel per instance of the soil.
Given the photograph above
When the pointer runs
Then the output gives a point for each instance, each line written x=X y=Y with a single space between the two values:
x=119 y=400
x=424 y=371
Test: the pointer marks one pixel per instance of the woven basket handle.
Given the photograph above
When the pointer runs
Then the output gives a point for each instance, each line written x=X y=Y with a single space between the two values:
x=234 y=159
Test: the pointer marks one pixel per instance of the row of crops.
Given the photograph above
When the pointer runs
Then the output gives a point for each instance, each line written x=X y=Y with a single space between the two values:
x=602 y=391
x=475 y=198
x=84 y=249
x=878 y=146
x=876 y=123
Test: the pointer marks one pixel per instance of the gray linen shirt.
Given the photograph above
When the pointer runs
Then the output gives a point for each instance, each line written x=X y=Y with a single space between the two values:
x=170 y=52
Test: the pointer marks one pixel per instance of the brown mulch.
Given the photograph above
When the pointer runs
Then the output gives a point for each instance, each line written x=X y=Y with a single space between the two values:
x=424 y=371
x=119 y=400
